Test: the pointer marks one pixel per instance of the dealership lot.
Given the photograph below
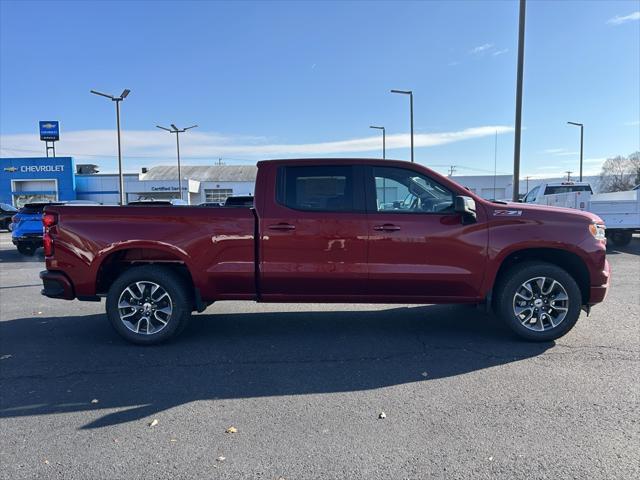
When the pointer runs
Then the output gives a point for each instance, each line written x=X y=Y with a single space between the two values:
x=305 y=384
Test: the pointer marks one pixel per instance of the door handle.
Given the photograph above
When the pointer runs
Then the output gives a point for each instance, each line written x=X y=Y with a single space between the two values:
x=387 y=227
x=282 y=226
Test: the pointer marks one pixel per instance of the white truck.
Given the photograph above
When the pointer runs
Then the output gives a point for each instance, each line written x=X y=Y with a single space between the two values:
x=620 y=211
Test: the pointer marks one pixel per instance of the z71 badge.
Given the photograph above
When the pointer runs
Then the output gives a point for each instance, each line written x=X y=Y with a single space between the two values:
x=507 y=213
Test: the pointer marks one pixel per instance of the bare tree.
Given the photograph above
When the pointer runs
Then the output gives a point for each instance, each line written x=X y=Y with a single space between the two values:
x=620 y=173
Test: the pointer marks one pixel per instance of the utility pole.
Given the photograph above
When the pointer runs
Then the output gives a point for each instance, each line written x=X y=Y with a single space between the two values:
x=569 y=172
x=518 y=126
x=122 y=96
x=178 y=131
x=527 y=178
x=452 y=170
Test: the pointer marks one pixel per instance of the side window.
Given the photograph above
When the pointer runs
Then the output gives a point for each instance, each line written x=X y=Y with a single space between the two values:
x=531 y=196
x=399 y=190
x=319 y=188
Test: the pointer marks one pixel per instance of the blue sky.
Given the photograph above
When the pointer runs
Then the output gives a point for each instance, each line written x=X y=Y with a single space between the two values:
x=291 y=79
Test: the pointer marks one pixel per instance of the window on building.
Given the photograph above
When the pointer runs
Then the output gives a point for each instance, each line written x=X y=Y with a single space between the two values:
x=217 y=194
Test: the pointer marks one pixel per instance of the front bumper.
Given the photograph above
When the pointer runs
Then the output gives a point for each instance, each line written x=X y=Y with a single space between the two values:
x=597 y=293
x=56 y=285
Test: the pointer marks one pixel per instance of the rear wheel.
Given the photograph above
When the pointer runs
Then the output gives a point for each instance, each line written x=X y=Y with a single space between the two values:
x=149 y=304
x=538 y=301
x=621 y=238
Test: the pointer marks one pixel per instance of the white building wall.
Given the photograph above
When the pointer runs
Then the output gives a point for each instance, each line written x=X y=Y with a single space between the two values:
x=104 y=188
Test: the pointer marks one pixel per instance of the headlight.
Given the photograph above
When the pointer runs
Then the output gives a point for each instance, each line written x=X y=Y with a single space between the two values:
x=598 y=231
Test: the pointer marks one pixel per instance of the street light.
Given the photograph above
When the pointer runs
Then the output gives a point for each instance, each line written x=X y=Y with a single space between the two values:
x=410 y=93
x=384 y=140
x=581 y=142
x=177 y=131
x=122 y=96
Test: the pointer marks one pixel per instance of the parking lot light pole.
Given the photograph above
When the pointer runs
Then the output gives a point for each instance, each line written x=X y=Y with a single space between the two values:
x=122 y=96
x=384 y=140
x=581 y=142
x=178 y=131
x=410 y=93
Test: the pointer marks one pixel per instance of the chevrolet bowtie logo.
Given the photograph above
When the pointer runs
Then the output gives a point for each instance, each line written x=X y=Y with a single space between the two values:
x=10 y=169
x=48 y=126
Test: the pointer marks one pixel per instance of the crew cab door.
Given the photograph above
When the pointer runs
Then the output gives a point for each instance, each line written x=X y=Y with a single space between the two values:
x=313 y=234
x=419 y=249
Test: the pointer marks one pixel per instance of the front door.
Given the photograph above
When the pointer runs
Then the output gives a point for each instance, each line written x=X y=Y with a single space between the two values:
x=419 y=250
x=314 y=235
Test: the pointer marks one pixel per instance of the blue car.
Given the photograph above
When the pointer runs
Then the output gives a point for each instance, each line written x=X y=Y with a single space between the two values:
x=27 y=230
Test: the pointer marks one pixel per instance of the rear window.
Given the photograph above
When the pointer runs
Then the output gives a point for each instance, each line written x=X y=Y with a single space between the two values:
x=552 y=190
x=320 y=188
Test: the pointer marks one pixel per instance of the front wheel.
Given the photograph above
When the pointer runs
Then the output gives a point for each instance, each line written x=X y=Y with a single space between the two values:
x=538 y=301
x=149 y=304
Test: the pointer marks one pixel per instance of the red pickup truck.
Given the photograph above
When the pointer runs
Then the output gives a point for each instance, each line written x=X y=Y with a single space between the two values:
x=335 y=230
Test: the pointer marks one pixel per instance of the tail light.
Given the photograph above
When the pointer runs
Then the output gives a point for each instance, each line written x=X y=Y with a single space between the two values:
x=49 y=220
x=14 y=219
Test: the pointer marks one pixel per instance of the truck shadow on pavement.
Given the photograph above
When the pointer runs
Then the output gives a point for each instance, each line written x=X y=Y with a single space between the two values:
x=60 y=365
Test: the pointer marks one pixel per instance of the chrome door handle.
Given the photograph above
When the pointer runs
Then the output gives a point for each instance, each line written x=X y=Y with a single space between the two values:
x=282 y=226
x=387 y=227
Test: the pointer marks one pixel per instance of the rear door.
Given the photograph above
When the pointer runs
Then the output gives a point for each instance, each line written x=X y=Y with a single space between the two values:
x=314 y=234
x=419 y=250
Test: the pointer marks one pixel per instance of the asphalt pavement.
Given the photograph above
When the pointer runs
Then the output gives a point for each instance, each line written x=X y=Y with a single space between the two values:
x=304 y=386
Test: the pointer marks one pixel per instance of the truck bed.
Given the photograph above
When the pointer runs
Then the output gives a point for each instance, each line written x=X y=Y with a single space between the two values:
x=211 y=242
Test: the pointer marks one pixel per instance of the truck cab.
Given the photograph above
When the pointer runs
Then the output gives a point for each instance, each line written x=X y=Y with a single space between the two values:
x=538 y=193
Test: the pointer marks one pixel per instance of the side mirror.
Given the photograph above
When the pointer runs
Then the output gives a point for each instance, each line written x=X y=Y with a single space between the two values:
x=467 y=207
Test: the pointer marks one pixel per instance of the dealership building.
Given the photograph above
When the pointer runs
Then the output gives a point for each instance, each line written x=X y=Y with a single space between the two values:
x=26 y=180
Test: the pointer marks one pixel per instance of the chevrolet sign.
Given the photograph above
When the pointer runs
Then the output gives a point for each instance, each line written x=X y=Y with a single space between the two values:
x=49 y=131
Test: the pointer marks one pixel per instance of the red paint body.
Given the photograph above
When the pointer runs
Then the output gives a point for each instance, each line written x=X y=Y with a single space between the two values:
x=305 y=256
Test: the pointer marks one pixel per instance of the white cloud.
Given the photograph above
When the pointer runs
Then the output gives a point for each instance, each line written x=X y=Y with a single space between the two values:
x=481 y=48
x=619 y=20
x=500 y=52
x=559 y=152
x=87 y=145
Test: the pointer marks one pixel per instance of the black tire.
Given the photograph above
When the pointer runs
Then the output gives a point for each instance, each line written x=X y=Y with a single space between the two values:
x=178 y=293
x=26 y=249
x=510 y=283
x=621 y=239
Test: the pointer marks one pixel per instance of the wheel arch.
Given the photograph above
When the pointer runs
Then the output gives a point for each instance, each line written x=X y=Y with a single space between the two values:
x=117 y=261
x=568 y=261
